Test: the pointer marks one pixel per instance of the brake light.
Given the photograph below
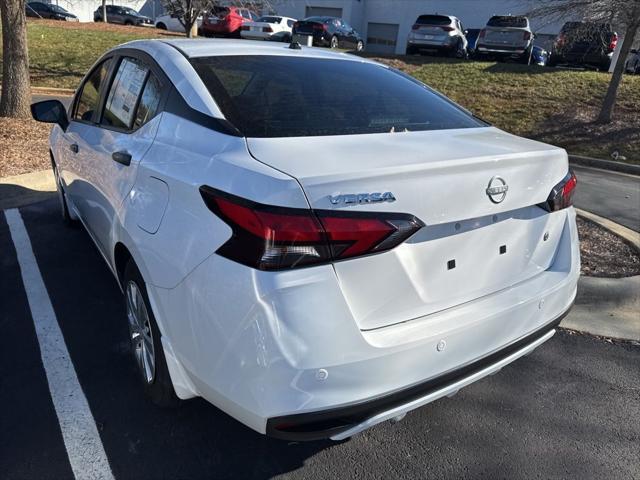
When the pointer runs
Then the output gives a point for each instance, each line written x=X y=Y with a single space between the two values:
x=614 y=42
x=415 y=26
x=561 y=195
x=245 y=28
x=527 y=35
x=319 y=26
x=278 y=238
x=448 y=29
x=481 y=34
x=267 y=29
x=560 y=40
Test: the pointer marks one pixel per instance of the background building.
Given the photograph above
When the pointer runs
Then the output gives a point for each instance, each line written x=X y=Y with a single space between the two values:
x=385 y=24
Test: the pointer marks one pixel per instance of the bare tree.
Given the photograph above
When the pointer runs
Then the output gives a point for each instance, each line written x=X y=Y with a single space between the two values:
x=623 y=14
x=187 y=12
x=16 y=89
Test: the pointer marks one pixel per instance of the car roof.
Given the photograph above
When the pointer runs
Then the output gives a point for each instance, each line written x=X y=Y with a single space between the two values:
x=194 y=48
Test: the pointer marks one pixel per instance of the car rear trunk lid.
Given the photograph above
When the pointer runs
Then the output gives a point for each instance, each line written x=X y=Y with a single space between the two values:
x=442 y=178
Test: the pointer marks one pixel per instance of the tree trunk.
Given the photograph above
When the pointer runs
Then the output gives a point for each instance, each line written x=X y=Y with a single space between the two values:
x=606 y=113
x=16 y=89
x=104 y=11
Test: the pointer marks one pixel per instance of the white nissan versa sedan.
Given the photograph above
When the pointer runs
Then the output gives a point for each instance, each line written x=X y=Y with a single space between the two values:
x=311 y=241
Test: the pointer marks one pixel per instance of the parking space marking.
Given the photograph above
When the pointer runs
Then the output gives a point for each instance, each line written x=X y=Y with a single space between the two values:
x=83 y=444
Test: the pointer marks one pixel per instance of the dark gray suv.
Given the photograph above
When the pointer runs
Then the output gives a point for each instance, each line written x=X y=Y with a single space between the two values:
x=123 y=16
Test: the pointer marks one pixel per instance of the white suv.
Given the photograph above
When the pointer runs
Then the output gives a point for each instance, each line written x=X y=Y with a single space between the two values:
x=312 y=260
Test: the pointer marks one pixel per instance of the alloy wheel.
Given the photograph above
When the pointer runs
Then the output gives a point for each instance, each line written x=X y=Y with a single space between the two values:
x=140 y=332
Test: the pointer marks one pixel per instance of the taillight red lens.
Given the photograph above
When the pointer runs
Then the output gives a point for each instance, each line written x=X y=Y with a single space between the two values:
x=448 y=29
x=277 y=238
x=319 y=26
x=245 y=28
x=614 y=42
x=415 y=26
x=527 y=35
x=562 y=194
x=267 y=29
x=482 y=33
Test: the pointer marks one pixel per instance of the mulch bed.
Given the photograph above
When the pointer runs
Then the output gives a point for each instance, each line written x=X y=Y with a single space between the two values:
x=604 y=254
x=24 y=146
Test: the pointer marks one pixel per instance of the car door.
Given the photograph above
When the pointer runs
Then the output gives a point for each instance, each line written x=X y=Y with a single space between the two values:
x=72 y=150
x=124 y=134
x=117 y=16
x=351 y=37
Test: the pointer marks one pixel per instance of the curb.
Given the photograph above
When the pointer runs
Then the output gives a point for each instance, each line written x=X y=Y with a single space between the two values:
x=21 y=190
x=628 y=235
x=632 y=169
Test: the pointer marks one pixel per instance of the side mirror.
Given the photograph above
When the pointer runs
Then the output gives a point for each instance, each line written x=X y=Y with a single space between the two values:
x=50 y=111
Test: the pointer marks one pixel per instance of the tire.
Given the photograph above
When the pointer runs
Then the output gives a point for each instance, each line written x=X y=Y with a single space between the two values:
x=359 y=46
x=459 y=52
x=128 y=23
x=333 y=43
x=145 y=338
x=67 y=219
x=161 y=26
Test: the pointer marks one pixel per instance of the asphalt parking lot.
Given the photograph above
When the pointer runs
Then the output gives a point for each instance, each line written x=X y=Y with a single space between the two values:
x=569 y=410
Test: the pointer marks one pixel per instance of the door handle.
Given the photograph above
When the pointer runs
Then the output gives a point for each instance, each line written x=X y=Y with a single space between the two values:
x=122 y=157
x=74 y=147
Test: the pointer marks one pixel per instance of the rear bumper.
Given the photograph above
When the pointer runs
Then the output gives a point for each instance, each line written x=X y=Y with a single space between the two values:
x=420 y=44
x=501 y=50
x=285 y=354
x=341 y=423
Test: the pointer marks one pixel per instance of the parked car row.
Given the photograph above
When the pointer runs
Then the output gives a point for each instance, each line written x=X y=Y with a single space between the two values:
x=509 y=37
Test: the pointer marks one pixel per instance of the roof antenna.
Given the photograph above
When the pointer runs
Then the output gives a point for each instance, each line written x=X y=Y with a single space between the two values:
x=295 y=46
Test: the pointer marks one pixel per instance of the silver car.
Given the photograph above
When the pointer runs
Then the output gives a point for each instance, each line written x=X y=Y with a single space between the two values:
x=506 y=36
x=437 y=34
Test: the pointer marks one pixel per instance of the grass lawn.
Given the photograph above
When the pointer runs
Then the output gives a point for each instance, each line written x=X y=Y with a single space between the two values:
x=552 y=105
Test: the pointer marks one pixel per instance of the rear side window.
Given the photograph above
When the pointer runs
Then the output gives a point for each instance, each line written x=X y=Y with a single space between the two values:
x=89 y=99
x=281 y=96
x=508 y=21
x=124 y=93
x=149 y=102
x=433 y=20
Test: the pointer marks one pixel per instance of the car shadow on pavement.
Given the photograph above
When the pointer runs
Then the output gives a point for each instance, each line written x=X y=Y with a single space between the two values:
x=12 y=195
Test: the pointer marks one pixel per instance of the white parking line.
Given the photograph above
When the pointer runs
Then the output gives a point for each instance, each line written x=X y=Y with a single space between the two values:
x=81 y=439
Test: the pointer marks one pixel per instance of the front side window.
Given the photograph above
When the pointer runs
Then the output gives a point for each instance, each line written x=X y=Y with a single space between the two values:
x=124 y=93
x=89 y=99
x=281 y=96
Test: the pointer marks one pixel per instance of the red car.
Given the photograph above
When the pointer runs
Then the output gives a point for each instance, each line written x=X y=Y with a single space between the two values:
x=226 y=21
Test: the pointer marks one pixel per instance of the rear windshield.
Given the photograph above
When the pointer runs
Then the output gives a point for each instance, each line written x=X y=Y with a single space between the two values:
x=433 y=20
x=281 y=96
x=269 y=19
x=507 y=21
x=585 y=27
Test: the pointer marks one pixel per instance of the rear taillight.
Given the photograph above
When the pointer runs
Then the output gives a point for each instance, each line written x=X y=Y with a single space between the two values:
x=560 y=40
x=482 y=33
x=267 y=29
x=562 y=194
x=527 y=36
x=448 y=29
x=613 y=43
x=245 y=28
x=319 y=26
x=415 y=26
x=278 y=238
